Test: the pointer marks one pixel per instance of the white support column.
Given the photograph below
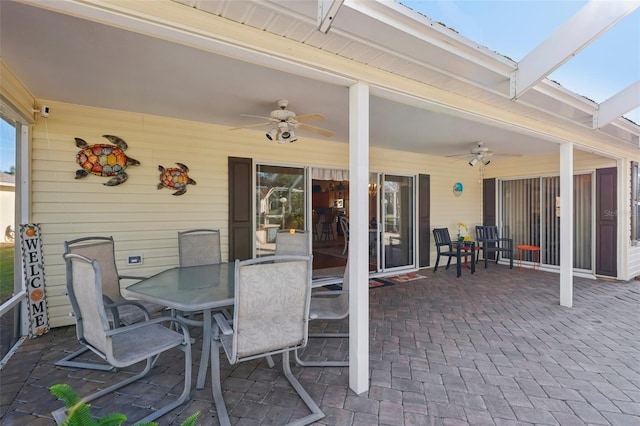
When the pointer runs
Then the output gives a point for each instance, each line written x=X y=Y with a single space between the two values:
x=359 y=238
x=566 y=225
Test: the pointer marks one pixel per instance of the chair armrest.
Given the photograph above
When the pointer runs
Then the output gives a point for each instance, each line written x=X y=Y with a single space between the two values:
x=323 y=281
x=113 y=306
x=157 y=320
x=131 y=277
x=329 y=293
x=223 y=324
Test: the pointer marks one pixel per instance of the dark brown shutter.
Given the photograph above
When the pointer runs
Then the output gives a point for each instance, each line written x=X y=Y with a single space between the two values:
x=424 y=220
x=488 y=202
x=240 y=209
x=606 y=222
x=488 y=208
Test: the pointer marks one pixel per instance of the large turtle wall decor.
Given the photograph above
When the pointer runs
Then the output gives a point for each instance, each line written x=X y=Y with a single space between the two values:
x=104 y=160
x=175 y=178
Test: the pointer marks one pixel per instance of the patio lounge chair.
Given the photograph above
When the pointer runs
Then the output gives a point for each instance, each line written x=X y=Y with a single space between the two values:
x=277 y=288
x=328 y=305
x=119 y=311
x=490 y=242
x=121 y=346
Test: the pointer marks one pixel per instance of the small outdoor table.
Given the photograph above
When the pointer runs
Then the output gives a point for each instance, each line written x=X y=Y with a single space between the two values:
x=464 y=249
x=535 y=254
x=191 y=289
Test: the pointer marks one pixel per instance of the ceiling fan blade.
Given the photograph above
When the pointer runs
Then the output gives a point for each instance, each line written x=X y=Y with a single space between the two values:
x=309 y=117
x=251 y=125
x=258 y=116
x=498 y=154
x=318 y=130
x=460 y=155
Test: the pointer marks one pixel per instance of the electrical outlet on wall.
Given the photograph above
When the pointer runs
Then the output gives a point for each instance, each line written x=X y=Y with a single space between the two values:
x=135 y=259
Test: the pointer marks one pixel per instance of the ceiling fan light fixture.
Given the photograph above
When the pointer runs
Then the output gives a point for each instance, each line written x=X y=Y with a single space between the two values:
x=272 y=134
x=473 y=162
x=485 y=161
x=292 y=136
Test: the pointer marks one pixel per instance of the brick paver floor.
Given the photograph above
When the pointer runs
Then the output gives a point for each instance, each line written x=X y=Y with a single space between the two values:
x=495 y=348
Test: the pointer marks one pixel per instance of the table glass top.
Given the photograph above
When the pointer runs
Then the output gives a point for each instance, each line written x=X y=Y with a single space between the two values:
x=189 y=288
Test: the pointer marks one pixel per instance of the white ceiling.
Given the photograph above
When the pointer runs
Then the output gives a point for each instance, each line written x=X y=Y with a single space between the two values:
x=63 y=58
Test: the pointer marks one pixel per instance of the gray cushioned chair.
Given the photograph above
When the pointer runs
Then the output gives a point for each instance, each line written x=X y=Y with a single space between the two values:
x=292 y=243
x=199 y=247
x=121 y=346
x=119 y=311
x=271 y=312
x=328 y=305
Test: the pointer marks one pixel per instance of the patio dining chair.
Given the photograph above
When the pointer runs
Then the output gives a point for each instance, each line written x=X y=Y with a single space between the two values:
x=120 y=346
x=272 y=296
x=491 y=244
x=119 y=311
x=328 y=305
x=444 y=246
x=294 y=243
x=199 y=247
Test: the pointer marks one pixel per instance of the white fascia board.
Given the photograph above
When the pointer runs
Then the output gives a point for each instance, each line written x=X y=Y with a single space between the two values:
x=109 y=15
x=617 y=105
x=589 y=23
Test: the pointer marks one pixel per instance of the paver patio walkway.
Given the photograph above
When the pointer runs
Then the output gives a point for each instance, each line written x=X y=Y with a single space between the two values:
x=490 y=349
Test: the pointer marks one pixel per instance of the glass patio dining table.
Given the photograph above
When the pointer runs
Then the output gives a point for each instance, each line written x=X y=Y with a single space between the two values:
x=190 y=289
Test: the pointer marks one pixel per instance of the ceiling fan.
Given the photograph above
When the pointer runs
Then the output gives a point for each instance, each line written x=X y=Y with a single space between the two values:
x=284 y=121
x=481 y=154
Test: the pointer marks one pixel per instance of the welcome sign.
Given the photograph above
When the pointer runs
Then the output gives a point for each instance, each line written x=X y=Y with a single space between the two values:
x=33 y=266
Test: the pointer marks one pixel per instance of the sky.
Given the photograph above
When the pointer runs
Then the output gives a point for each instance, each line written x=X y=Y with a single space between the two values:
x=515 y=27
x=7 y=146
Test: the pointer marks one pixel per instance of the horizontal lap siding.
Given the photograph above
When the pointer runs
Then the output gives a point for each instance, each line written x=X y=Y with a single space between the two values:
x=144 y=220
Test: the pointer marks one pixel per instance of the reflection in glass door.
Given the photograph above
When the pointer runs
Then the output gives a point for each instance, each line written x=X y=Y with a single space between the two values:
x=9 y=263
x=397 y=220
x=280 y=204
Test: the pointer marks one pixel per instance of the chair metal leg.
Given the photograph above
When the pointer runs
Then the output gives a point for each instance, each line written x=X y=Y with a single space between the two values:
x=221 y=408
x=316 y=412
x=216 y=389
x=59 y=414
x=66 y=362
x=327 y=363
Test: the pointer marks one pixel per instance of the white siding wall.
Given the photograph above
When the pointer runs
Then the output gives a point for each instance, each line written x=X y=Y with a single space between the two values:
x=145 y=220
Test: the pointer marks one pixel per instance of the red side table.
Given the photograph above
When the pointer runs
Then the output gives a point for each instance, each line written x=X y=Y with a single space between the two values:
x=535 y=250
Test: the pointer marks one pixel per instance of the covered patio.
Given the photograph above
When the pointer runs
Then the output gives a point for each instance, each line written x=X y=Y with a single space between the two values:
x=490 y=348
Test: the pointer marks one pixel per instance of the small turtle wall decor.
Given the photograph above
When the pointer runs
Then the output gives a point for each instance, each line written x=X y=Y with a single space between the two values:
x=104 y=160
x=175 y=178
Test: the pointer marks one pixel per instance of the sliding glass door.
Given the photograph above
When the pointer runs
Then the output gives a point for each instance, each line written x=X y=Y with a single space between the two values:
x=280 y=204
x=397 y=207
x=530 y=215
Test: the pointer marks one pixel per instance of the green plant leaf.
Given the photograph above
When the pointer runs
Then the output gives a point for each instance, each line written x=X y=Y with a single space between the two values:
x=113 y=419
x=191 y=420
x=66 y=394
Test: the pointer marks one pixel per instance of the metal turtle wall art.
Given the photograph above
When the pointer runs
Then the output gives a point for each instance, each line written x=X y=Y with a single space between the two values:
x=104 y=160
x=175 y=178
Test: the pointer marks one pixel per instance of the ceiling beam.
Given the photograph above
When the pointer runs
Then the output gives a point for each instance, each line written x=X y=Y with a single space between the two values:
x=617 y=105
x=589 y=23
x=327 y=10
